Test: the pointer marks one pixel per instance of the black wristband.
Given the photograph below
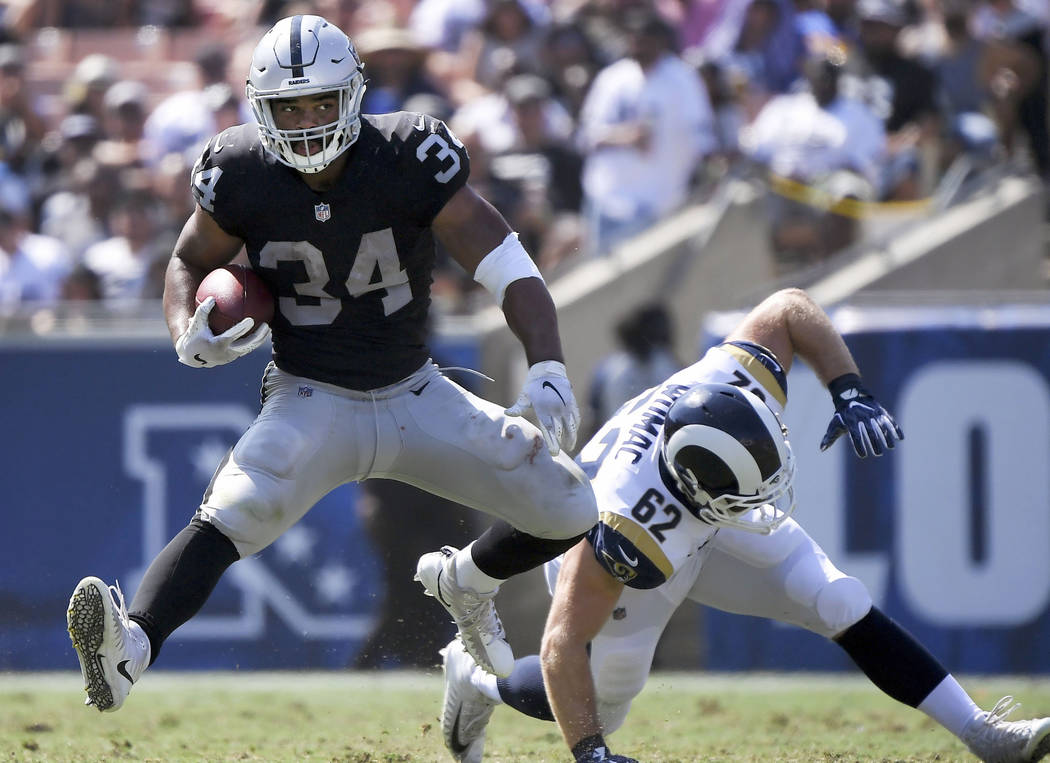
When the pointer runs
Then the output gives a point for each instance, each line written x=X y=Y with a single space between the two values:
x=840 y=384
x=584 y=749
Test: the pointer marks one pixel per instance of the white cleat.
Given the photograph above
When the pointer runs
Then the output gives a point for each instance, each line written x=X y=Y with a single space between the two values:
x=465 y=711
x=994 y=739
x=474 y=613
x=112 y=654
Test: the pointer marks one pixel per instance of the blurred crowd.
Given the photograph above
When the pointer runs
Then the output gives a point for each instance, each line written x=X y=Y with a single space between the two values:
x=586 y=120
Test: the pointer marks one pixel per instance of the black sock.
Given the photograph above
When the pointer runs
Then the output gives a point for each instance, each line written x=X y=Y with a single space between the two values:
x=503 y=552
x=180 y=579
x=892 y=658
x=523 y=689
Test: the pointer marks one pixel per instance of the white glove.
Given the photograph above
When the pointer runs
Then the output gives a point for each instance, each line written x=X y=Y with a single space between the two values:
x=198 y=347
x=548 y=392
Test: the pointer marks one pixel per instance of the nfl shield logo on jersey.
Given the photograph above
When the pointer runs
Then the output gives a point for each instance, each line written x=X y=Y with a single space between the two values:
x=322 y=212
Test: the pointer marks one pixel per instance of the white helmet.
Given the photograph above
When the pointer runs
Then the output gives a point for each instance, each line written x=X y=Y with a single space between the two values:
x=729 y=454
x=305 y=55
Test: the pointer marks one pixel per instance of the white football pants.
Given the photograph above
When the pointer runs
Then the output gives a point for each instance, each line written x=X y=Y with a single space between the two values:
x=784 y=576
x=426 y=430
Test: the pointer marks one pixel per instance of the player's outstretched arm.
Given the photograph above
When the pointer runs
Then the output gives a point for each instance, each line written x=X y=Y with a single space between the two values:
x=790 y=323
x=202 y=247
x=478 y=238
x=584 y=599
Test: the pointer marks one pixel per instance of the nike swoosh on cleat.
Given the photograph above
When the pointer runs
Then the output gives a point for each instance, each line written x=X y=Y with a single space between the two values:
x=123 y=670
x=418 y=392
x=554 y=390
x=457 y=747
x=200 y=360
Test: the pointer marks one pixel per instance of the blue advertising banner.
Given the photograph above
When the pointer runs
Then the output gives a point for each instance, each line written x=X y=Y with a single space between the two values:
x=109 y=450
x=949 y=531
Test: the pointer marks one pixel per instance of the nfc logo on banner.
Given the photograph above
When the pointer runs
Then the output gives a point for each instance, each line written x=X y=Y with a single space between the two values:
x=314 y=603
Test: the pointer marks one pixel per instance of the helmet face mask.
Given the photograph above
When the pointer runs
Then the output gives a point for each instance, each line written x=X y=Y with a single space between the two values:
x=305 y=56
x=728 y=453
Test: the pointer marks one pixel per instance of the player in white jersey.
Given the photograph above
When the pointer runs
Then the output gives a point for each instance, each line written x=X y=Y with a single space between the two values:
x=694 y=486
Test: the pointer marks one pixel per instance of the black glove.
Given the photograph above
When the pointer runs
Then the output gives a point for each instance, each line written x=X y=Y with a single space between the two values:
x=870 y=426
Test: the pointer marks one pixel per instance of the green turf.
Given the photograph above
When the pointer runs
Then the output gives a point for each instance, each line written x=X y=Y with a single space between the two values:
x=366 y=717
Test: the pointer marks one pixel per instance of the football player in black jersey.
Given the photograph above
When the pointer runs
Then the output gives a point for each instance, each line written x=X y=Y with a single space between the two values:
x=694 y=481
x=338 y=213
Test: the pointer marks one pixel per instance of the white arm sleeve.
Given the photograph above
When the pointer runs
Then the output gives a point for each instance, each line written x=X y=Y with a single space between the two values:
x=504 y=265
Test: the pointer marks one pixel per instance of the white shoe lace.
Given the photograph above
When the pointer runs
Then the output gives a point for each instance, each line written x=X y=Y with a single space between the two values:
x=124 y=632
x=1002 y=709
x=993 y=737
x=122 y=610
x=480 y=613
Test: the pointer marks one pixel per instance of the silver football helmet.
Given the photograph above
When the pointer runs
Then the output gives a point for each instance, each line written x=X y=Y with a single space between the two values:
x=729 y=454
x=306 y=55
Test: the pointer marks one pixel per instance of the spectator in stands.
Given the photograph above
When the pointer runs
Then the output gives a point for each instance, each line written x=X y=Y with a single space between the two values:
x=545 y=168
x=32 y=266
x=131 y=263
x=396 y=66
x=21 y=127
x=507 y=40
x=728 y=113
x=82 y=285
x=645 y=337
x=828 y=148
x=646 y=118
x=126 y=106
x=77 y=211
x=493 y=119
x=602 y=21
x=75 y=139
x=1024 y=23
x=86 y=88
x=758 y=47
x=174 y=204
x=769 y=48
x=899 y=90
x=225 y=105
x=569 y=61
x=980 y=85
x=440 y=24
x=184 y=121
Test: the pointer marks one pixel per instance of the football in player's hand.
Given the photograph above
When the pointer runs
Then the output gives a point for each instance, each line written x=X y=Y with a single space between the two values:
x=239 y=293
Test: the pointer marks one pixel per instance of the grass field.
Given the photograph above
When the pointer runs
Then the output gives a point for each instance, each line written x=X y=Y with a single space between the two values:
x=368 y=717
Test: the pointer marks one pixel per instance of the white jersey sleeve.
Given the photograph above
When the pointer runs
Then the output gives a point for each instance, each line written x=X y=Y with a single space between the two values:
x=647 y=528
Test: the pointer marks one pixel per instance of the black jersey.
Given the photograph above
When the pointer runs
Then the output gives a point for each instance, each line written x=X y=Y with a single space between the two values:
x=351 y=266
